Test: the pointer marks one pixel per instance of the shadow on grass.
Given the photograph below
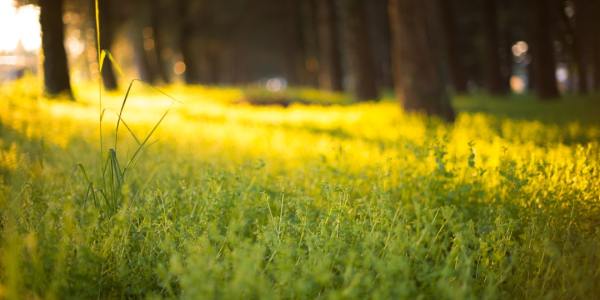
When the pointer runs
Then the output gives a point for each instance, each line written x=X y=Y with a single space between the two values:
x=568 y=109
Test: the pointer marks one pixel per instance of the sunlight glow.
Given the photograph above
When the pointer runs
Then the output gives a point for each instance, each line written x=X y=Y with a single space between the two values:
x=517 y=84
x=520 y=48
x=179 y=67
x=276 y=84
x=19 y=25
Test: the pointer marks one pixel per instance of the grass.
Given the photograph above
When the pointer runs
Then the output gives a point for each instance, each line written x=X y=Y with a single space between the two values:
x=233 y=201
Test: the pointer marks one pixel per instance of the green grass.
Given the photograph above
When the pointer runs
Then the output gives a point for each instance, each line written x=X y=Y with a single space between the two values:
x=339 y=202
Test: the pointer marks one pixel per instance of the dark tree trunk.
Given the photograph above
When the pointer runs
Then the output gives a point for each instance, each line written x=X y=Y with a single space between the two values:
x=596 y=50
x=595 y=23
x=418 y=58
x=310 y=40
x=56 y=70
x=142 y=61
x=379 y=39
x=294 y=43
x=455 y=66
x=330 y=69
x=107 y=38
x=542 y=48
x=597 y=65
x=142 y=42
x=360 y=68
x=583 y=43
x=189 y=41
x=190 y=58
x=494 y=81
x=167 y=22
x=213 y=63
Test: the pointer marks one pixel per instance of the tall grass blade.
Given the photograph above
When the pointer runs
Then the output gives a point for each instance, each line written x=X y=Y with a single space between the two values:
x=97 y=13
x=114 y=63
x=137 y=140
x=101 y=60
x=141 y=146
x=121 y=111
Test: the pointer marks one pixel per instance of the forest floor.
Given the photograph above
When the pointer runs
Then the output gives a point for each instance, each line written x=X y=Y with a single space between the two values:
x=228 y=200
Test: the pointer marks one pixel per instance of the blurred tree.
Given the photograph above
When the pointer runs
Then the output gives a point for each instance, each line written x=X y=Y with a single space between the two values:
x=542 y=48
x=495 y=82
x=583 y=41
x=310 y=40
x=454 y=51
x=211 y=39
x=109 y=16
x=330 y=69
x=418 y=59
x=379 y=41
x=295 y=47
x=56 y=70
x=141 y=36
x=571 y=39
x=357 y=51
x=513 y=27
x=595 y=11
x=166 y=23
x=190 y=11
x=469 y=40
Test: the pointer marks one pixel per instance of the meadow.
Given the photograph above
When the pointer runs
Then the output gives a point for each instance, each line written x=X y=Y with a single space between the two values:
x=226 y=200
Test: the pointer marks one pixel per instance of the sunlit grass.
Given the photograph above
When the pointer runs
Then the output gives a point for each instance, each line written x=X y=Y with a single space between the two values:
x=237 y=201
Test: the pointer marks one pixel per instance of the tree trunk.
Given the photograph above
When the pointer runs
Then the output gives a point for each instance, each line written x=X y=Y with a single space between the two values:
x=456 y=69
x=142 y=42
x=543 y=60
x=160 y=45
x=190 y=41
x=584 y=42
x=494 y=81
x=359 y=63
x=418 y=59
x=596 y=53
x=294 y=43
x=594 y=10
x=330 y=69
x=310 y=39
x=56 y=70
x=597 y=65
x=107 y=37
x=379 y=39
x=189 y=55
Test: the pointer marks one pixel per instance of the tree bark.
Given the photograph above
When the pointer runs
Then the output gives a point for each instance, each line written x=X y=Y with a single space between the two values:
x=494 y=81
x=330 y=69
x=189 y=56
x=360 y=68
x=595 y=22
x=56 y=70
x=543 y=60
x=584 y=43
x=107 y=38
x=310 y=40
x=379 y=39
x=294 y=43
x=455 y=66
x=189 y=41
x=167 y=23
x=141 y=27
x=418 y=59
